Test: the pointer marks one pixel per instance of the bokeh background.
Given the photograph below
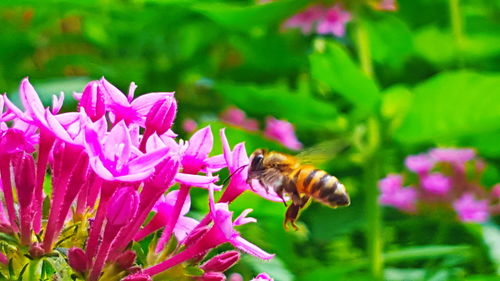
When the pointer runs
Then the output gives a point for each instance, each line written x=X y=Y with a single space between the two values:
x=397 y=83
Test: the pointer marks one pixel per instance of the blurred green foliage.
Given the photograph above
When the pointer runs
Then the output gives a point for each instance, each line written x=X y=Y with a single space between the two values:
x=435 y=82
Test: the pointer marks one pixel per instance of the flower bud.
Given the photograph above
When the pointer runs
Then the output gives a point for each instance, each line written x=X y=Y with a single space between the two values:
x=212 y=276
x=92 y=101
x=161 y=116
x=36 y=250
x=235 y=277
x=138 y=277
x=195 y=235
x=78 y=260
x=126 y=260
x=221 y=262
x=123 y=206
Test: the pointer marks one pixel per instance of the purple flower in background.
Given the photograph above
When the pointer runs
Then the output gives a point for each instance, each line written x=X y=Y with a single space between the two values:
x=189 y=125
x=263 y=277
x=436 y=183
x=283 y=132
x=402 y=198
x=305 y=20
x=471 y=210
x=334 y=21
x=420 y=164
x=237 y=117
x=454 y=156
x=386 y=5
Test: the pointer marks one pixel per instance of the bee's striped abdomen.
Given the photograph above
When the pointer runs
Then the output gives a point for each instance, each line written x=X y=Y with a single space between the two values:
x=320 y=185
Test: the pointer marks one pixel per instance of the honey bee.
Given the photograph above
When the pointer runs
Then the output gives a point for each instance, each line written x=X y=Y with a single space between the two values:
x=286 y=175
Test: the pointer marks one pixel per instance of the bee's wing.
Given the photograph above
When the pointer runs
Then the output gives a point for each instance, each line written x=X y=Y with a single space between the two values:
x=322 y=152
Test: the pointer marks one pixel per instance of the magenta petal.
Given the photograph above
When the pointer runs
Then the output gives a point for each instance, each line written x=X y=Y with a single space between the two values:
x=200 y=144
x=30 y=99
x=112 y=93
x=99 y=169
x=148 y=160
x=227 y=149
x=56 y=128
x=244 y=245
x=118 y=138
x=184 y=226
x=215 y=163
x=138 y=176
x=242 y=219
x=195 y=180
x=92 y=143
x=143 y=103
x=240 y=158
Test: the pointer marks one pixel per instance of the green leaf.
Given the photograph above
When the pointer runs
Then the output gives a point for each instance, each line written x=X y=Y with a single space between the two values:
x=391 y=41
x=451 y=105
x=491 y=238
x=425 y=252
x=335 y=68
x=245 y=17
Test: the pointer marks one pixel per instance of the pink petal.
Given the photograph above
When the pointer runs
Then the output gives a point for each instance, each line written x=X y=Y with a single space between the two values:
x=200 y=144
x=143 y=103
x=244 y=245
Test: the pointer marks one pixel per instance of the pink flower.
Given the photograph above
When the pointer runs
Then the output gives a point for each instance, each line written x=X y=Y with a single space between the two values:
x=221 y=262
x=334 y=21
x=454 y=156
x=283 y=132
x=420 y=164
x=436 y=183
x=393 y=194
x=237 y=117
x=305 y=20
x=115 y=158
x=471 y=210
x=495 y=191
x=391 y=183
x=403 y=199
x=189 y=125
x=263 y=277
x=386 y=5
x=164 y=209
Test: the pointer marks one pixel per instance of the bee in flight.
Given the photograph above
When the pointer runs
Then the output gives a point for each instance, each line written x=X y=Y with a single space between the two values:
x=286 y=175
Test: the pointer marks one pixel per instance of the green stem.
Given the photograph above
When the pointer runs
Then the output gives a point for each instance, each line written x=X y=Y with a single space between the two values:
x=372 y=166
x=457 y=24
x=32 y=270
x=363 y=46
x=372 y=207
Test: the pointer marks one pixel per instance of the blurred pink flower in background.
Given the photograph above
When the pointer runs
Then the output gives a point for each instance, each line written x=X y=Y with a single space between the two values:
x=386 y=5
x=436 y=183
x=471 y=210
x=282 y=131
x=263 y=277
x=393 y=193
x=237 y=117
x=189 y=125
x=306 y=19
x=334 y=21
x=458 y=188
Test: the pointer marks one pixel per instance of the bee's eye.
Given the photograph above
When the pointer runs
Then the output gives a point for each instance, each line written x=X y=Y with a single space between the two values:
x=257 y=162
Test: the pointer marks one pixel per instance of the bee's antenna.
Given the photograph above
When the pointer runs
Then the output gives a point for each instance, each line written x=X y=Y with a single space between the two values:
x=236 y=171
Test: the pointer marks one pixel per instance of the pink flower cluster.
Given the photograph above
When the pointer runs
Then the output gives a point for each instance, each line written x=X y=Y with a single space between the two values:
x=279 y=130
x=324 y=20
x=113 y=163
x=443 y=181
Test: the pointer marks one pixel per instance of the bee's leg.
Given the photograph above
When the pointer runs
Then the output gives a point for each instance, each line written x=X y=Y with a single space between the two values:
x=264 y=186
x=291 y=216
x=303 y=200
x=279 y=191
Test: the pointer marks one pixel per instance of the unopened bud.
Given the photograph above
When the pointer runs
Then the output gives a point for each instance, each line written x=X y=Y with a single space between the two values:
x=36 y=250
x=78 y=260
x=162 y=115
x=92 y=101
x=122 y=207
x=126 y=260
x=195 y=235
x=222 y=262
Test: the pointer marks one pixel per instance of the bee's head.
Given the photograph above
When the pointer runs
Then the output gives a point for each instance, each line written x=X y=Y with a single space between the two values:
x=256 y=160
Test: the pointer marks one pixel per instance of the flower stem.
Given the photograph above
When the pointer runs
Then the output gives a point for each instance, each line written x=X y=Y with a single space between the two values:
x=363 y=46
x=372 y=165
